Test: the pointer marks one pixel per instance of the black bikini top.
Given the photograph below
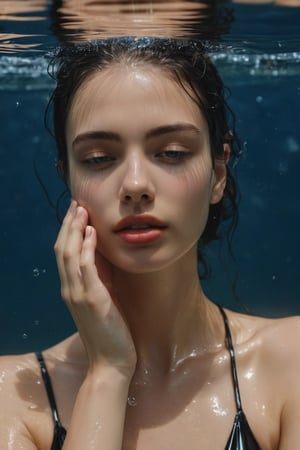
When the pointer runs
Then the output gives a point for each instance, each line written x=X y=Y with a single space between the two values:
x=59 y=430
x=241 y=436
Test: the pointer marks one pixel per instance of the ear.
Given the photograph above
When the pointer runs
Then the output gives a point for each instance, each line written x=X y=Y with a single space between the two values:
x=220 y=177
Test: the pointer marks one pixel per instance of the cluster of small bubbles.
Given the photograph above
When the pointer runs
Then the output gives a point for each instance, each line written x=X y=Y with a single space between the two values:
x=36 y=272
x=259 y=99
x=24 y=336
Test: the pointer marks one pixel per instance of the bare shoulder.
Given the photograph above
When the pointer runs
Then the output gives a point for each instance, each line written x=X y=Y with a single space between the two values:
x=20 y=387
x=276 y=340
x=17 y=370
x=25 y=413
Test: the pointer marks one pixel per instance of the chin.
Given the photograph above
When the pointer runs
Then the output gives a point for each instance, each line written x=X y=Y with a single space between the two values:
x=149 y=262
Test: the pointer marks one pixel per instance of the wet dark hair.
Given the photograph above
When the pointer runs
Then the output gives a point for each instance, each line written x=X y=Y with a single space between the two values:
x=189 y=64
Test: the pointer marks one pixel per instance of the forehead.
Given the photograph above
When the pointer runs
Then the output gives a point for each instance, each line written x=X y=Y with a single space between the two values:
x=142 y=94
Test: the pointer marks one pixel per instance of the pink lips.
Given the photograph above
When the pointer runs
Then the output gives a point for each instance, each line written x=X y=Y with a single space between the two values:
x=139 y=229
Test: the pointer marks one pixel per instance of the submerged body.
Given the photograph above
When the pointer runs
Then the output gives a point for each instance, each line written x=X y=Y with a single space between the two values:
x=144 y=152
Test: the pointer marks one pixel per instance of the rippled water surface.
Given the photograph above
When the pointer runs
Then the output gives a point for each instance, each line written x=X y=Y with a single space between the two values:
x=257 y=51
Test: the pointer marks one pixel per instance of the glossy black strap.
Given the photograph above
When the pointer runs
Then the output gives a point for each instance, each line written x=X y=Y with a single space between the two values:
x=48 y=386
x=229 y=345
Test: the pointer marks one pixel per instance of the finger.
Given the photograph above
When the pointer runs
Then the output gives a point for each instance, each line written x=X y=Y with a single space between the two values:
x=72 y=252
x=61 y=240
x=89 y=272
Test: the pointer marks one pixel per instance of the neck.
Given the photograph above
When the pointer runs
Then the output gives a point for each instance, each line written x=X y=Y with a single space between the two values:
x=168 y=315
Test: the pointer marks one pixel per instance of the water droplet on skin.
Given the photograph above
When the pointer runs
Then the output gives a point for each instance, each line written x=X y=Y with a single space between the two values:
x=2 y=377
x=216 y=407
x=132 y=401
x=32 y=407
x=249 y=374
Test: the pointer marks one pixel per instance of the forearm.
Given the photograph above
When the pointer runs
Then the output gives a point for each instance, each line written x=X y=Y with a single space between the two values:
x=99 y=413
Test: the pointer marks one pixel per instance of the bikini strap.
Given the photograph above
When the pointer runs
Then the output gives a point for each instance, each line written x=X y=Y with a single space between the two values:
x=229 y=345
x=49 y=389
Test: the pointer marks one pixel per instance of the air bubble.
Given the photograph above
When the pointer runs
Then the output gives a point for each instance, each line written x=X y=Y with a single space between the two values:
x=259 y=99
x=292 y=145
x=36 y=272
x=24 y=336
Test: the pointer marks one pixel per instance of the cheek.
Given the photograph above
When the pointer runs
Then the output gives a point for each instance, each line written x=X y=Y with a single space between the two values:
x=193 y=186
x=86 y=192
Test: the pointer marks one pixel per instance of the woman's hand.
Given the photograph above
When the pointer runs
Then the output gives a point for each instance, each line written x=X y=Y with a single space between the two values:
x=86 y=287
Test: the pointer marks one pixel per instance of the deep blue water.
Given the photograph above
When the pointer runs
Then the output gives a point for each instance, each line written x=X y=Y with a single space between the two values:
x=266 y=244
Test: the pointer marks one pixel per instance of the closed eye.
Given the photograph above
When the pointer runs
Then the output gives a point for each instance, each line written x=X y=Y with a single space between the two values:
x=174 y=156
x=104 y=160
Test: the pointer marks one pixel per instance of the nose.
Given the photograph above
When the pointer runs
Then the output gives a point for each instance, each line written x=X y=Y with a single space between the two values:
x=136 y=186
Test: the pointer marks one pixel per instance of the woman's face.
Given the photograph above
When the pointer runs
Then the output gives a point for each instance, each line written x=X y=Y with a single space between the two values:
x=140 y=163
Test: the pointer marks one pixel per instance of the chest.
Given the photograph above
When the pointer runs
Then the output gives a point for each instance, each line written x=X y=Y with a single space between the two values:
x=203 y=421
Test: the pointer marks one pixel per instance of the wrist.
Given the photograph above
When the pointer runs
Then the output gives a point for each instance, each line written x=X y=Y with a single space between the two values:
x=107 y=376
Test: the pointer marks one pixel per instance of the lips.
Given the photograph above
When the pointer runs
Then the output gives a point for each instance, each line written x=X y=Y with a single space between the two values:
x=139 y=222
x=141 y=229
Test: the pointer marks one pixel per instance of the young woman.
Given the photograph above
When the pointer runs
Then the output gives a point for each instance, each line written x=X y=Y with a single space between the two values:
x=144 y=142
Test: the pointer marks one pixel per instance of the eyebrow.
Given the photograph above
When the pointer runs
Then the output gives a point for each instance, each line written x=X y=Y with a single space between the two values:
x=155 y=132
